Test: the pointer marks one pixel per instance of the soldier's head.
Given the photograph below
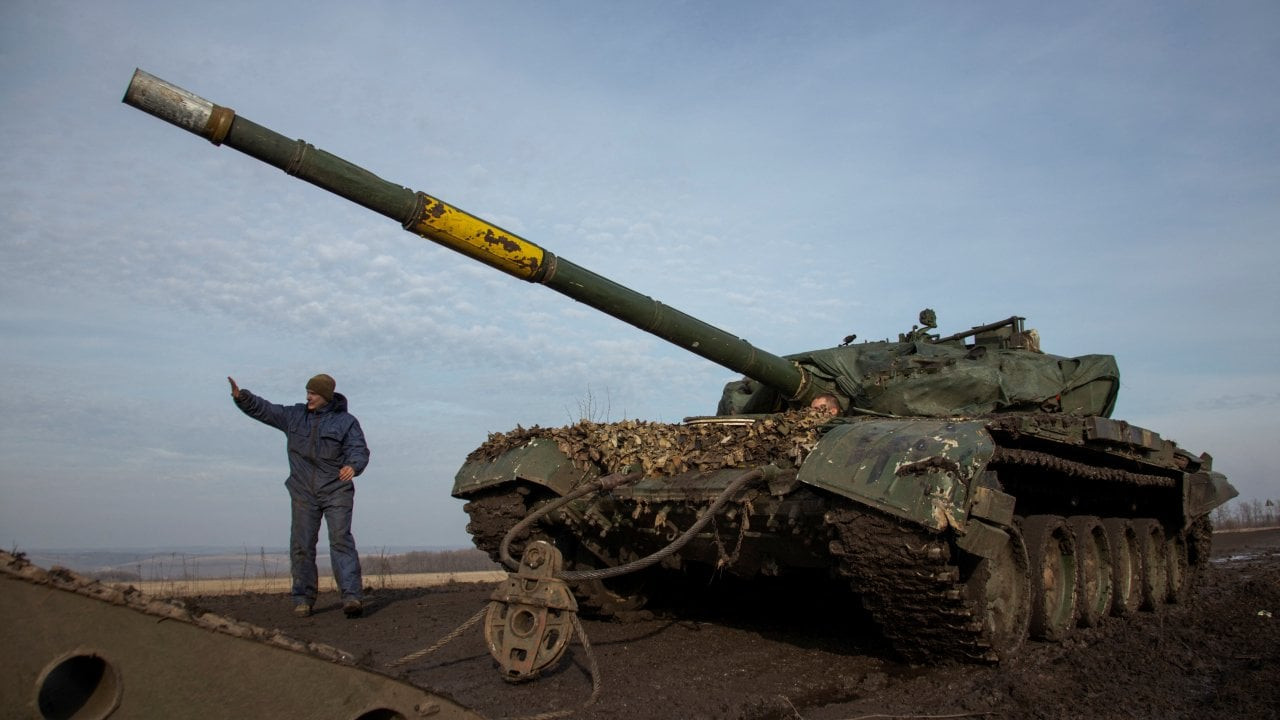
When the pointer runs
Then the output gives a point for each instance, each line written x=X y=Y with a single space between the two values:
x=320 y=391
x=826 y=404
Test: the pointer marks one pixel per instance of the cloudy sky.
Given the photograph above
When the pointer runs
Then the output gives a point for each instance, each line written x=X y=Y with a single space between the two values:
x=789 y=171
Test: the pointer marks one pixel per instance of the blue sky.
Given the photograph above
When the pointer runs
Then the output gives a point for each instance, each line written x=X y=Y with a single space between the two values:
x=789 y=171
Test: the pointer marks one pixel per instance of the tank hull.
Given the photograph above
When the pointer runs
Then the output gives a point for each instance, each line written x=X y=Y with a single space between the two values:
x=918 y=514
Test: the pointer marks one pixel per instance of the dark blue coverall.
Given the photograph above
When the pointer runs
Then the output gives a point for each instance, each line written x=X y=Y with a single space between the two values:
x=319 y=444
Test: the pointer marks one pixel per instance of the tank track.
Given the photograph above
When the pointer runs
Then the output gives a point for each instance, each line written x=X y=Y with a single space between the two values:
x=910 y=584
x=1199 y=548
x=1071 y=468
x=492 y=514
x=915 y=584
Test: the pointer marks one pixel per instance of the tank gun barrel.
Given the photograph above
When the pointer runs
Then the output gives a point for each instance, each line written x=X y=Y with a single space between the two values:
x=458 y=230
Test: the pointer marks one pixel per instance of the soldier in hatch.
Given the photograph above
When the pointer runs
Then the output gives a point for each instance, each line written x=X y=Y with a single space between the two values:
x=826 y=404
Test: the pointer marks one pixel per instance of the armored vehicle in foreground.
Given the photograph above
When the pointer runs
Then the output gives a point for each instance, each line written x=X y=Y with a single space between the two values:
x=78 y=648
x=972 y=489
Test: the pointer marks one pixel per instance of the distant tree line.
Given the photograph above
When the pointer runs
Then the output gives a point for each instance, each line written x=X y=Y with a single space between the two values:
x=1239 y=514
x=428 y=561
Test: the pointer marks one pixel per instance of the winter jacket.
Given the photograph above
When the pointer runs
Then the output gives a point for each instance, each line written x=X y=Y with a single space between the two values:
x=319 y=443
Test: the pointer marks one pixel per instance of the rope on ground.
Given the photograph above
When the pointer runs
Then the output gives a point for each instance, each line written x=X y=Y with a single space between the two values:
x=442 y=641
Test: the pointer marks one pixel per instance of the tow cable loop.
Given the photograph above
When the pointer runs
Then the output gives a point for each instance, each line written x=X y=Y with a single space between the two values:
x=419 y=654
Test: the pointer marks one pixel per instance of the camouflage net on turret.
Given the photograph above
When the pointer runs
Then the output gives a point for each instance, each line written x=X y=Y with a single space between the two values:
x=667 y=449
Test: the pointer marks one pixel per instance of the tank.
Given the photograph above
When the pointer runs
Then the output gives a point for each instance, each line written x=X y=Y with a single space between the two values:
x=970 y=490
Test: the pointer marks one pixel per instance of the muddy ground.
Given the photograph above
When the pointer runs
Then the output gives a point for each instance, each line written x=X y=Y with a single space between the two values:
x=787 y=652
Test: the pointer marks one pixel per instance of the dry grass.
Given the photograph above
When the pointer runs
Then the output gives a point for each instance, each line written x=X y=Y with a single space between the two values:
x=236 y=586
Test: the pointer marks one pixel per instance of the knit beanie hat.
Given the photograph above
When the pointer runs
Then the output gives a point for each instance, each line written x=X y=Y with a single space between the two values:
x=322 y=385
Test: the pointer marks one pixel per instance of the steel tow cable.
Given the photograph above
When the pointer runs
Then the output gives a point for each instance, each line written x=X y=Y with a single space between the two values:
x=676 y=545
x=442 y=641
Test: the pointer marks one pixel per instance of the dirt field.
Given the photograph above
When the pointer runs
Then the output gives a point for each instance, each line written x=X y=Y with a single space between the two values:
x=789 y=652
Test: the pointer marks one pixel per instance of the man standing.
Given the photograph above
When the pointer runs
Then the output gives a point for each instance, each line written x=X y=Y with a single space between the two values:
x=326 y=451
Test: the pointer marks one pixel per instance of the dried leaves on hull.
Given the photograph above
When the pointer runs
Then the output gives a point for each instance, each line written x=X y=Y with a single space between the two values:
x=670 y=449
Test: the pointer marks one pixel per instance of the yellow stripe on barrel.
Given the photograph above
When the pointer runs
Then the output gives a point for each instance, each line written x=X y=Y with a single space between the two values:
x=442 y=223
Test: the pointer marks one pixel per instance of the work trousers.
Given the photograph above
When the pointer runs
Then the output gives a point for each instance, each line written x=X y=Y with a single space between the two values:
x=343 y=558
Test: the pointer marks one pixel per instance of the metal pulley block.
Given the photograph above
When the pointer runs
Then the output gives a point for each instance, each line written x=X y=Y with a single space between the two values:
x=530 y=618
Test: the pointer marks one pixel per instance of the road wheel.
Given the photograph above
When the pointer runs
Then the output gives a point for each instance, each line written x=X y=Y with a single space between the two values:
x=1199 y=539
x=999 y=590
x=1093 y=554
x=1154 y=553
x=1126 y=566
x=1051 y=553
